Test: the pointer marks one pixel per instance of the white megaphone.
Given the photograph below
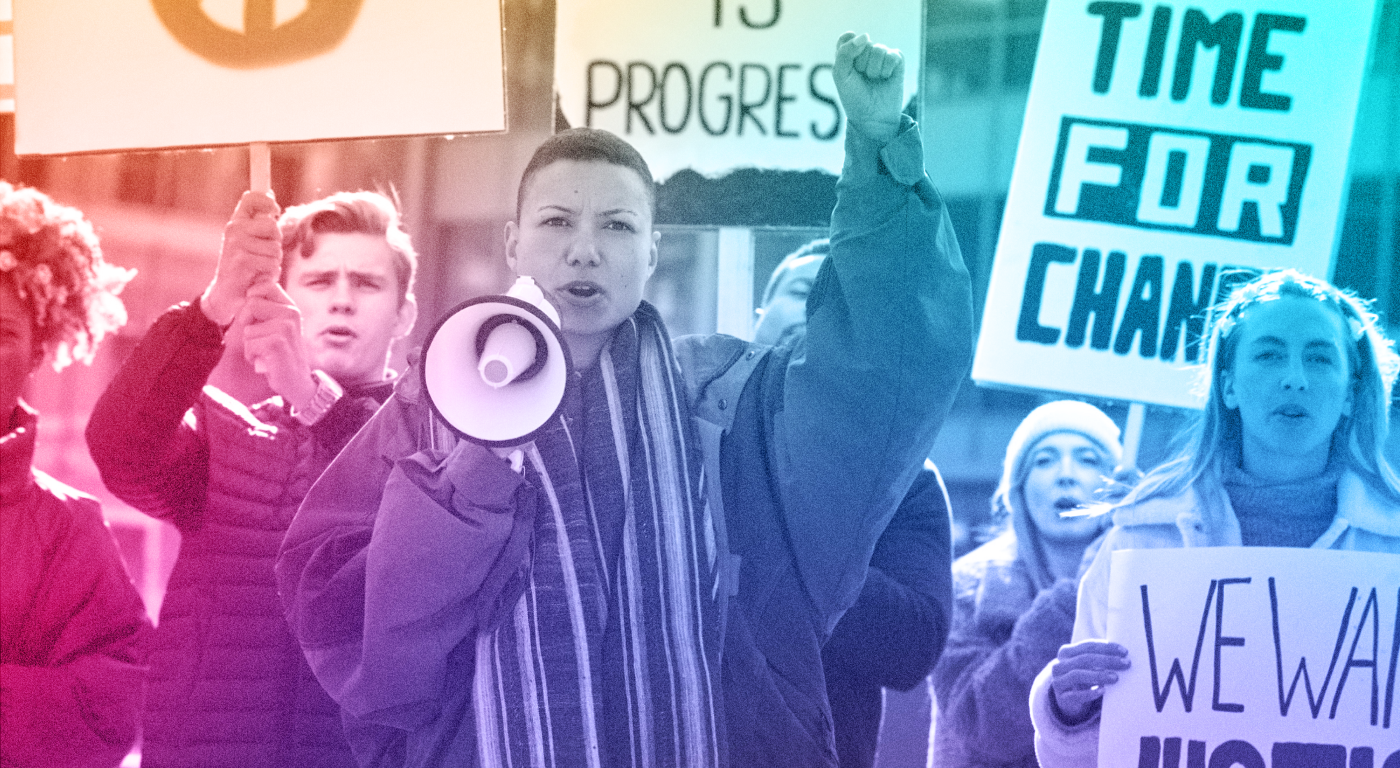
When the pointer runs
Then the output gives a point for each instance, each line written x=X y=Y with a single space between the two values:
x=496 y=367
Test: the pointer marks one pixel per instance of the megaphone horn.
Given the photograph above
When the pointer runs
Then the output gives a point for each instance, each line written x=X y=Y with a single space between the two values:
x=495 y=368
x=503 y=345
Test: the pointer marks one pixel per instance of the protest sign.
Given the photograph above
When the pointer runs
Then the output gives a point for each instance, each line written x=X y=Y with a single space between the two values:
x=1165 y=146
x=1253 y=656
x=134 y=74
x=719 y=84
x=7 y=58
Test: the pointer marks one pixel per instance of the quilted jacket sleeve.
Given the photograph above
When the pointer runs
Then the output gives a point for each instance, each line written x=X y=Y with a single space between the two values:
x=142 y=435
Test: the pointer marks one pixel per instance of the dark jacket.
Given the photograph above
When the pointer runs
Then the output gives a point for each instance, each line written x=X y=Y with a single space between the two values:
x=74 y=636
x=823 y=445
x=229 y=685
x=813 y=447
x=893 y=635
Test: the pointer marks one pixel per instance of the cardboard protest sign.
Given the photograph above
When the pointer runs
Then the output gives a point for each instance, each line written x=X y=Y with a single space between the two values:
x=131 y=74
x=1165 y=146
x=719 y=84
x=1253 y=656
x=7 y=58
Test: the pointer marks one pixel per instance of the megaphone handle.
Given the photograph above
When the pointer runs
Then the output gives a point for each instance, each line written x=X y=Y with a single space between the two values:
x=515 y=455
x=541 y=348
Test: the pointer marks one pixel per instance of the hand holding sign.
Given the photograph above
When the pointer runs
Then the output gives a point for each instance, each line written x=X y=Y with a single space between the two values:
x=1252 y=656
x=870 y=82
x=272 y=343
x=251 y=253
x=1080 y=672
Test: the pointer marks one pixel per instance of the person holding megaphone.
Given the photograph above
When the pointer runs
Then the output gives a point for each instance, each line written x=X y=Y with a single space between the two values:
x=302 y=311
x=648 y=578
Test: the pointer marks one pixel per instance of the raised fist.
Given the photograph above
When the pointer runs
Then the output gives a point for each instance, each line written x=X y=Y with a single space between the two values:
x=870 y=83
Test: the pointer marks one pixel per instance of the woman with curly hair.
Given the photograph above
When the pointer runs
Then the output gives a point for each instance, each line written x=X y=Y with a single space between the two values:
x=1288 y=453
x=73 y=631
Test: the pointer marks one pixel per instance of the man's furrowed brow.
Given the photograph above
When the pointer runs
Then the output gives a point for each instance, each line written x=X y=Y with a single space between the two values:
x=363 y=275
x=313 y=275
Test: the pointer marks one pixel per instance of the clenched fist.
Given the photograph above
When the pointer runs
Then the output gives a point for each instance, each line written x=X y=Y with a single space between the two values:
x=870 y=83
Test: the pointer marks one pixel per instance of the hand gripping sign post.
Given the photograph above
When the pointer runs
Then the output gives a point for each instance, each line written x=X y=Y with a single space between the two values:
x=1166 y=147
x=149 y=74
x=1255 y=657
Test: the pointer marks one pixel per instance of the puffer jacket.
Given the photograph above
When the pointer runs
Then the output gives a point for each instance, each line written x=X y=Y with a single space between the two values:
x=73 y=633
x=229 y=685
x=1367 y=520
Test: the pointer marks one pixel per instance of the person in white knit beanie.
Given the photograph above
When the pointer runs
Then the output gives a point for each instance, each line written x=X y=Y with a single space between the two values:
x=1014 y=596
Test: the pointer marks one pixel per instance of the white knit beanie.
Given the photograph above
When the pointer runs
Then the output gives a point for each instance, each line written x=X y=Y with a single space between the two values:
x=1059 y=416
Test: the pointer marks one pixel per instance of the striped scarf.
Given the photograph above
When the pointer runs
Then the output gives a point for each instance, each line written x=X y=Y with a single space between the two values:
x=610 y=657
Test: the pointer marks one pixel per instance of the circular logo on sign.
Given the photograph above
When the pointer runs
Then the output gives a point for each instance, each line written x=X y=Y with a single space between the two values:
x=263 y=42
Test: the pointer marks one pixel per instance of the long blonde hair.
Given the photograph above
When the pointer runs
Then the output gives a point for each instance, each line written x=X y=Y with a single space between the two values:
x=1360 y=437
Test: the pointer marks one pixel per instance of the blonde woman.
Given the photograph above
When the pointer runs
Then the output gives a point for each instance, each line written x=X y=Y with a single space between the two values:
x=1287 y=454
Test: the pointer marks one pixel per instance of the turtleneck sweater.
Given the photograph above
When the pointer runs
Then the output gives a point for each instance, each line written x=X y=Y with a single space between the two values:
x=1293 y=513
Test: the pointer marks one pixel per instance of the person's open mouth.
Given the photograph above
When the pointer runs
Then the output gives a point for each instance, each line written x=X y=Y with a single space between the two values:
x=582 y=290
x=339 y=335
